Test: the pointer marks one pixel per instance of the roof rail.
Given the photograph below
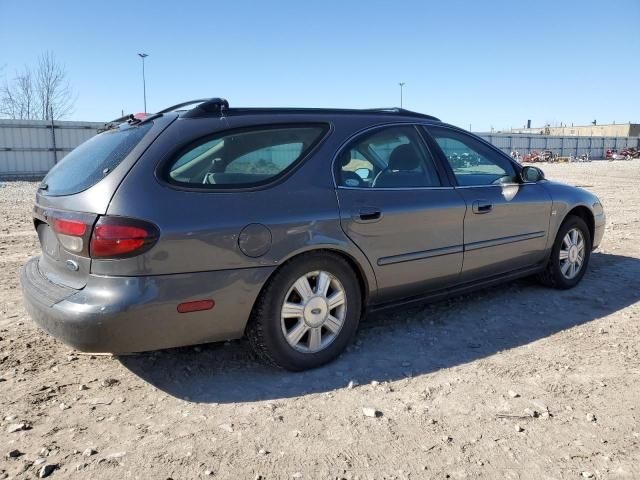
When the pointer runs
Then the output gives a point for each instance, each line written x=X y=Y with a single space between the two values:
x=220 y=106
x=183 y=104
x=217 y=106
x=208 y=107
x=401 y=111
x=354 y=111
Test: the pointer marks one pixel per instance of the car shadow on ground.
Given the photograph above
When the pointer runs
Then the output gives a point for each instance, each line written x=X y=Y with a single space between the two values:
x=401 y=342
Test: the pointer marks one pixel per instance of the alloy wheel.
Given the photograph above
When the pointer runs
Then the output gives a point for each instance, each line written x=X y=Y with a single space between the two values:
x=313 y=312
x=572 y=253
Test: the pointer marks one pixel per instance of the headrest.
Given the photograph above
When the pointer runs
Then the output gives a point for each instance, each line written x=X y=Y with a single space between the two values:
x=404 y=158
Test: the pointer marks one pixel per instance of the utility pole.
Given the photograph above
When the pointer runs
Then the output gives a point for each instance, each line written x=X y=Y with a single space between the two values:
x=401 y=85
x=144 y=82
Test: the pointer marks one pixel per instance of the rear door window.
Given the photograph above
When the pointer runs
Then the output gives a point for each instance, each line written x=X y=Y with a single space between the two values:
x=93 y=160
x=244 y=158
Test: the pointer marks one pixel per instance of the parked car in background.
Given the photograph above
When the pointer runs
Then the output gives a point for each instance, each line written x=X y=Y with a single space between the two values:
x=287 y=226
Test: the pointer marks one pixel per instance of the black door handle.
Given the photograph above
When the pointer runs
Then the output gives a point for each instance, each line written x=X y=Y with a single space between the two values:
x=368 y=214
x=482 y=206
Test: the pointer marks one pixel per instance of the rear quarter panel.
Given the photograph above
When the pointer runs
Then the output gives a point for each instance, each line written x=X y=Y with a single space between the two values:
x=200 y=229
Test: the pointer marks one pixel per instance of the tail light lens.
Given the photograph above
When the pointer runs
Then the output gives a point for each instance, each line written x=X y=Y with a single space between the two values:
x=69 y=227
x=120 y=237
x=71 y=233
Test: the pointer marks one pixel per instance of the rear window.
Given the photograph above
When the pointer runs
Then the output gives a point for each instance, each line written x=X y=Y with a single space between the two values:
x=243 y=158
x=93 y=160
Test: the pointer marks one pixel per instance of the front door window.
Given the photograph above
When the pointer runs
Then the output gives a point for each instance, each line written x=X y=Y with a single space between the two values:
x=392 y=157
x=473 y=163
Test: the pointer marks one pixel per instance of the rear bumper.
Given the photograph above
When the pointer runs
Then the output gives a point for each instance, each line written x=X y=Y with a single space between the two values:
x=134 y=314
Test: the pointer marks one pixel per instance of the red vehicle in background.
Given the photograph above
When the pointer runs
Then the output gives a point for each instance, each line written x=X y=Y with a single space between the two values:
x=626 y=154
x=544 y=156
x=630 y=152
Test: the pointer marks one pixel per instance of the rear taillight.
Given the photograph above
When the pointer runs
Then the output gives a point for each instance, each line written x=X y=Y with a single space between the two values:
x=119 y=237
x=71 y=233
x=69 y=227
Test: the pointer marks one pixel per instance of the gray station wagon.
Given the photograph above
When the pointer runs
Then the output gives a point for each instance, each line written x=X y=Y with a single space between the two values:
x=286 y=225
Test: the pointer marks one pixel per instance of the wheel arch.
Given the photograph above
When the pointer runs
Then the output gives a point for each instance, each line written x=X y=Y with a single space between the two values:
x=365 y=276
x=585 y=214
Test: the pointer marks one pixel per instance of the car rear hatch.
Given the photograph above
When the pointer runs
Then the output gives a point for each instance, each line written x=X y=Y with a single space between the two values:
x=64 y=238
x=74 y=196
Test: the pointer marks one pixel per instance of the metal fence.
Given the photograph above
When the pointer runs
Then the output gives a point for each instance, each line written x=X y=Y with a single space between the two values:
x=567 y=146
x=32 y=147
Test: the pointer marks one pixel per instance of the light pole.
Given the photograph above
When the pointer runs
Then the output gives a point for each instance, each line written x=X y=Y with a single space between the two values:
x=144 y=82
x=401 y=85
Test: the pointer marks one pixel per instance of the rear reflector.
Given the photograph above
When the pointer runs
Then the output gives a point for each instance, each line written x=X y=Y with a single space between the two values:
x=196 y=306
x=69 y=227
x=117 y=237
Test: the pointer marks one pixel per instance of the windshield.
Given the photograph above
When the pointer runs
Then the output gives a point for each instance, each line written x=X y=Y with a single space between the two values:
x=93 y=160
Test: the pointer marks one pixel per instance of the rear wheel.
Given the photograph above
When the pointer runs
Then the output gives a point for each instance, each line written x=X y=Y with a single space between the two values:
x=569 y=256
x=307 y=313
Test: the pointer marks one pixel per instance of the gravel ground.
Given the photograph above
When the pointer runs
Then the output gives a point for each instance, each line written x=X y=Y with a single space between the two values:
x=515 y=382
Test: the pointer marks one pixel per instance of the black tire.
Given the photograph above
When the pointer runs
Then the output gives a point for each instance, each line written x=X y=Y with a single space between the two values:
x=552 y=275
x=264 y=330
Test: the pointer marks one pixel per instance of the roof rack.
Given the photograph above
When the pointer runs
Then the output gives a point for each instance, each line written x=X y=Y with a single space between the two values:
x=183 y=104
x=220 y=106
x=207 y=107
x=354 y=111
x=401 y=111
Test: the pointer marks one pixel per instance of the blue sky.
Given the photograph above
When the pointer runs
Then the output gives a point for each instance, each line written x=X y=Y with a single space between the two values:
x=484 y=64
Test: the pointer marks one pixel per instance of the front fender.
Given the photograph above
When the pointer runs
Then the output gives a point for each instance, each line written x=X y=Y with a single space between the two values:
x=565 y=199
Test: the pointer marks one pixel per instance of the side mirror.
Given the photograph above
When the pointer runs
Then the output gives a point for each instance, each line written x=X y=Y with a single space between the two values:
x=531 y=174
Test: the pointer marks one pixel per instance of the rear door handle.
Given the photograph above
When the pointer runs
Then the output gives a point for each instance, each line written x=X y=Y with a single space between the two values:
x=482 y=206
x=368 y=214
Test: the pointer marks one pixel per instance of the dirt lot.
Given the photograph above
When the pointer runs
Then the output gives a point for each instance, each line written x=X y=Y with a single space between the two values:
x=515 y=382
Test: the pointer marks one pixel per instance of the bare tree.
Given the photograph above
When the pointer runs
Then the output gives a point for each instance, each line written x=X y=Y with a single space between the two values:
x=55 y=97
x=18 y=100
x=41 y=93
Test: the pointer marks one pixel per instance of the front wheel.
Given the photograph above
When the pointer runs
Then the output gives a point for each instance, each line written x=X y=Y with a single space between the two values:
x=569 y=256
x=307 y=312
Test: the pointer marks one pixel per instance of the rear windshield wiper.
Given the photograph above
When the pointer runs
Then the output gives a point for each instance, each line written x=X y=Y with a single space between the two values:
x=129 y=119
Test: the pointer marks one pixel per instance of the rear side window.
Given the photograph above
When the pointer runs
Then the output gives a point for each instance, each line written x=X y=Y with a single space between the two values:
x=244 y=158
x=93 y=160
